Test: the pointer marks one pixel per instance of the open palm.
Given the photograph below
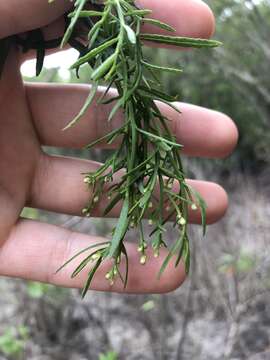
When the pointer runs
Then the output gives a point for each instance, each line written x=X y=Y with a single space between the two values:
x=32 y=115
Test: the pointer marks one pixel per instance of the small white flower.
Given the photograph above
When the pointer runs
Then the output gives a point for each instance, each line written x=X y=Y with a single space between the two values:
x=194 y=207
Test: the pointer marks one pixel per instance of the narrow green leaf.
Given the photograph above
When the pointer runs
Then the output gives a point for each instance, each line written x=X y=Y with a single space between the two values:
x=182 y=250
x=163 y=146
x=86 y=105
x=139 y=12
x=105 y=137
x=112 y=204
x=155 y=94
x=93 y=53
x=162 y=68
x=90 y=277
x=79 y=253
x=131 y=34
x=180 y=41
x=86 y=13
x=103 y=68
x=202 y=205
x=160 y=139
x=141 y=165
x=123 y=249
x=176 y=247
x=114 y=110
x=120 y=229
x=159 y=24
x=83 y=264
x=73 y=22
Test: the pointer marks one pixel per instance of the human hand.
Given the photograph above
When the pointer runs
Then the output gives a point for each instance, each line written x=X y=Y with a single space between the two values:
x=33 y=115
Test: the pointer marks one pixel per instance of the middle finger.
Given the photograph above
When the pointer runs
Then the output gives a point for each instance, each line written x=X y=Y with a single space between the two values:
x=53 y=106
x=58 y=186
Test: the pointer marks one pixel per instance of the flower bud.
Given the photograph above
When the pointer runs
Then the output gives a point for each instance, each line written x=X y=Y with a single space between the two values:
x=108 y=276
x=182 y=221
x=156 y=253
x=169 y=185
x=143 y=259
x=194 y=207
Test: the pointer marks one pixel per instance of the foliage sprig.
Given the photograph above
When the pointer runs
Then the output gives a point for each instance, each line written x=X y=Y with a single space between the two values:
x=109 y=38
x=148 y=157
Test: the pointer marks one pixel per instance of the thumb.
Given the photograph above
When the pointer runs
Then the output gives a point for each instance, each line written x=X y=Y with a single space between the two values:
x=18 y=16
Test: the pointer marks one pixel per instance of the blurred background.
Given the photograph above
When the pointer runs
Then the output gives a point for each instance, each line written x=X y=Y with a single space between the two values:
x=223 y=310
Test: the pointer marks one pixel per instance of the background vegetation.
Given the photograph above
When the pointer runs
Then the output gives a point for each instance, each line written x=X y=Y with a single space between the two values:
x=222 y=311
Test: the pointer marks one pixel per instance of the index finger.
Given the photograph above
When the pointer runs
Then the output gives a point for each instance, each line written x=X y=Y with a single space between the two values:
x=189 y=18
x=18 y=16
